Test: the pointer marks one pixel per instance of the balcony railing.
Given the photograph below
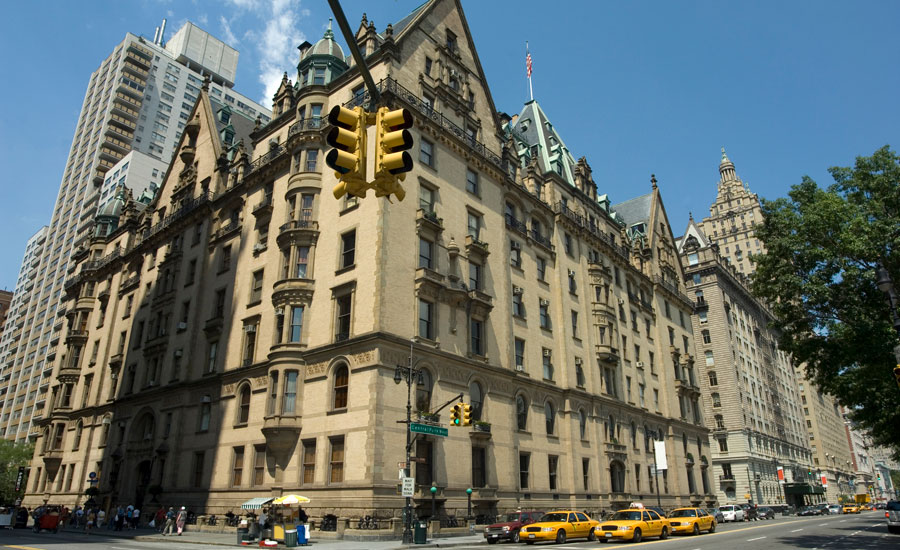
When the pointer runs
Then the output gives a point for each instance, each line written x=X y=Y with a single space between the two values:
x=541 y=240
x=312 y=123
x=516 y=225
x=273 y=153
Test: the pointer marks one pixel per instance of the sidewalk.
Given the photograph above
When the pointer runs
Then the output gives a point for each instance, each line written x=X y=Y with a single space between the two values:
x=230 y=539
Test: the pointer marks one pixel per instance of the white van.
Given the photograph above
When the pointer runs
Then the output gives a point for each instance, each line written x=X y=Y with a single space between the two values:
x=732 y=512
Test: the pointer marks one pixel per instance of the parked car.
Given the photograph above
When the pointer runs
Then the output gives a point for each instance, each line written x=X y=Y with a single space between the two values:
x=509 y=528
x=633 y=524
x=823 y=508
x=657 y=509
x=559 y=526
x=892 y=516
x=834 y=509
x=720 y=517
x=691 y=520
x=732 y=512
x=809 y=511
x=764 y=512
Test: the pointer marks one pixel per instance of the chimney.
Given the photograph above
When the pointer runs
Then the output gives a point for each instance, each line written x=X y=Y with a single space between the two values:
x=162 y=32
x=156 y=36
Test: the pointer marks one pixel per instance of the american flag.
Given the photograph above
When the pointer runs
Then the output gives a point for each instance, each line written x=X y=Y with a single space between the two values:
x=528 y=64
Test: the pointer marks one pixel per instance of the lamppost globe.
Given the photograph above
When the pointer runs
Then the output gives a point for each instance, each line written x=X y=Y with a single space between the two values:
x=433 y=489
x=883 y=280
x=469 y=491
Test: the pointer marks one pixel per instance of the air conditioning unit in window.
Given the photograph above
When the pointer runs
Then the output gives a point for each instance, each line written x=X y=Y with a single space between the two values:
x=520 y=368
x=639 y=364
x=545 y=302
x=517 y=290
x=178 y=353
x=279 y=311
x=182 y=326
x=515 y=245
x=547 y=352
x=259 y=247
x=250 y=328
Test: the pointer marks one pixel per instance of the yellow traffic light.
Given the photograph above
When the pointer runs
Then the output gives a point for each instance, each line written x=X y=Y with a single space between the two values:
x=455 y=415
x=348 y=158
x=466 y=414
x=392 y=139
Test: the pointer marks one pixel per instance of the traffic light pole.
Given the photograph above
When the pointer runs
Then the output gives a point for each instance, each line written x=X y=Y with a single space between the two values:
x=374 y=95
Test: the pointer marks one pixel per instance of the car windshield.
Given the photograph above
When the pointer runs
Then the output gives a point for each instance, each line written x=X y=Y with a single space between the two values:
x=683 y=514
x=893 y=506
x=726 y=508
x=626 y=516
x=513 y=517
x=557 y=516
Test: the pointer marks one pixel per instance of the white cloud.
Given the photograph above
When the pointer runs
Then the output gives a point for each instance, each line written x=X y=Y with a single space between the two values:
x=203 y=20
x=227 y=34
x=277 y=45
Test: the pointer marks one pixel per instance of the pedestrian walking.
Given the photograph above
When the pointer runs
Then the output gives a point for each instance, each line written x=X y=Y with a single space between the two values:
x=89 y=524
x=101 y=518
x=170 y=522
x=135 y=518
x=120 y=518
x=180 y=520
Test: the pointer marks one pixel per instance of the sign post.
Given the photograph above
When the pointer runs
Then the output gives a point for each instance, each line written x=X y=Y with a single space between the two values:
x=409 y=486
x=19 y=478
x=428 y=429
x=659 y=463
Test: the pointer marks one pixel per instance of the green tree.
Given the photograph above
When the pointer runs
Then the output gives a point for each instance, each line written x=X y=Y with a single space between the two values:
x=822 y=249
x=12 y=455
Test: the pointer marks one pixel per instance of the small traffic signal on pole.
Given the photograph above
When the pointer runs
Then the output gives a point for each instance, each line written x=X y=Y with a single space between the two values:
x=392 y=139
x=455 y=414
x=348 y=156
x=466 y=414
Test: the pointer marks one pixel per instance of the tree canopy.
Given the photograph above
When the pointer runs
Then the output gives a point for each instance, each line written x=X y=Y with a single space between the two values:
x=818 y=273
x=12 y=455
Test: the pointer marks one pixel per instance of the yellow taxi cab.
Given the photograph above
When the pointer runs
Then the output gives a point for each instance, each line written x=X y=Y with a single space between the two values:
x=633 y=524
x=559 y=526
x=851 y=509
x=691 y=520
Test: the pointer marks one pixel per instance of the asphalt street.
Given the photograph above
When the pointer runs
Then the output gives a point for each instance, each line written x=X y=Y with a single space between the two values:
x=866 y=531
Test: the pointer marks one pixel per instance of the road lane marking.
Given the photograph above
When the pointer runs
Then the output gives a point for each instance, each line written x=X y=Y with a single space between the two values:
x=854 y=533
x=22 y=547
x=730 y=531
x=795 y=530
x=823 y=524
x=841 y=521
x=757 y=538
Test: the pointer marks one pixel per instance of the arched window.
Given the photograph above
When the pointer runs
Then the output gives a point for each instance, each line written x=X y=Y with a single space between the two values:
x=341 y=383
x=521 y=412
x=550 y=417
x=716 y=400
x=424 y=387
x=244 y=405
x=617 y=476
x=78 y=428
x=582 y=423
x=476 y=396
x=713 y=379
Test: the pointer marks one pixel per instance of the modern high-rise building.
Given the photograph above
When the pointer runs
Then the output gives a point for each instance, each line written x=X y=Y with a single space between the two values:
x=17 y=383
x=248 y=334
x=749 y=389
x=5 y=300
x=138 y=99
x=733 y=215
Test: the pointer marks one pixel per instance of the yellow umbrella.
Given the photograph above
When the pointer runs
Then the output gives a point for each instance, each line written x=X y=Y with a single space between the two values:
x=288 y=500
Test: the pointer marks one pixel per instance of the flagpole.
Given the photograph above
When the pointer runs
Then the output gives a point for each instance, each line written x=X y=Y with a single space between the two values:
x=528 y=58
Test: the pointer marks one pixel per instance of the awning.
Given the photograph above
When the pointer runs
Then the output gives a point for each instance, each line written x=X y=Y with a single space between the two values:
x=256 y=503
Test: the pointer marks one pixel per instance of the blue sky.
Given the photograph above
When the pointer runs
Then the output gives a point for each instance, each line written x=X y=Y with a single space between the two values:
x=637 y=87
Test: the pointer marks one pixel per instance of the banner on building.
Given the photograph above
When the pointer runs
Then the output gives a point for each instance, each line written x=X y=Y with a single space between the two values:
x=19 y=478
x=824 y=481
x=660 y=448
x=780 y=474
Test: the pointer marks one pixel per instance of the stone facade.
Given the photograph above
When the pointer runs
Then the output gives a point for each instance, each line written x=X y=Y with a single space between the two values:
x=748 y=384
x=240 y=336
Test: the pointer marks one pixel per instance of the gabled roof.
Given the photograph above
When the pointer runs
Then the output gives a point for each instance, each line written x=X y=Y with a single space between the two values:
x=635 y=210
x=693 y=234
x=543 y=143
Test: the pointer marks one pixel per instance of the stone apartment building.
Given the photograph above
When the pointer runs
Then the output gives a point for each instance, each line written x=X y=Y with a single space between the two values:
x=749 y=390
x=239 y=336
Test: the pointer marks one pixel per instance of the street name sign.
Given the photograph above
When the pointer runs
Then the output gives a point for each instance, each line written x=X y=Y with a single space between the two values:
x=429 y=430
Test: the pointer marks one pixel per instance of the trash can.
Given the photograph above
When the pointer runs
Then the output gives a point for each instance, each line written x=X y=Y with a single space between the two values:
x=290 y=538
x=420 y=534
x=242 y=534
x=302 y=534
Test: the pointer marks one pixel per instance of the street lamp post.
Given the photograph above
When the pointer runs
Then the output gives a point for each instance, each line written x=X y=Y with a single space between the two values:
x=469 y=508
x=433 y=505
x=411 y=375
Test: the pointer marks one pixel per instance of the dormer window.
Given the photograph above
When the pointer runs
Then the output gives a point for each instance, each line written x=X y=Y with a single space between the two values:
x=451 y=41
x=225 y=116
